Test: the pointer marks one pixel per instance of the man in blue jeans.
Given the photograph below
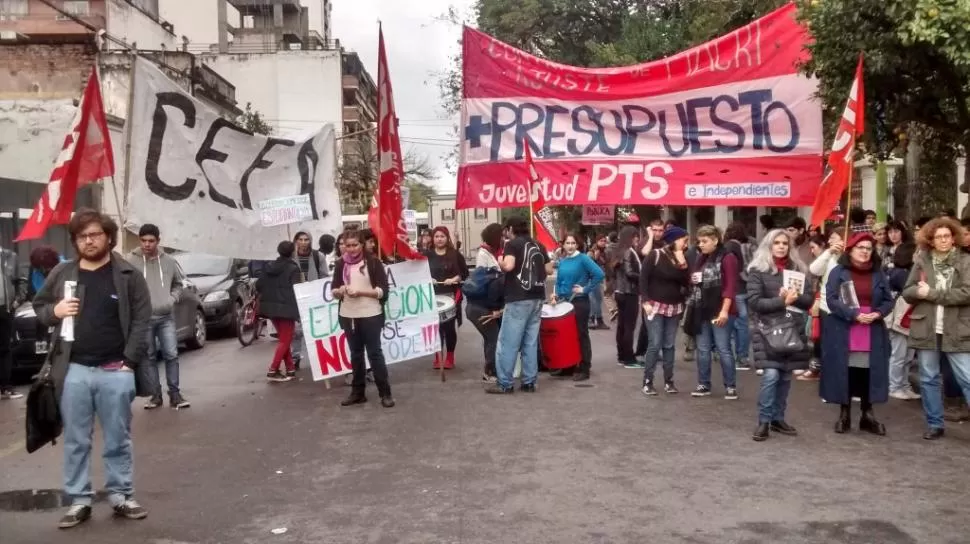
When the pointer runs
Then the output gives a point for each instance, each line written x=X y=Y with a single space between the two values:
x=526 y=264
x=94 y=375
x=165 y=283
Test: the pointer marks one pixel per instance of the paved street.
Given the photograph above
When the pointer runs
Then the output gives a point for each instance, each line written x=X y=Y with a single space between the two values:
x=598 y=464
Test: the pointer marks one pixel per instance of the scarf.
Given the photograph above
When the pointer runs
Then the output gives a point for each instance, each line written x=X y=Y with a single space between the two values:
x=860 y=267
x=943 y=268
x=706 y=296
x=350 y=261
x=781 y=264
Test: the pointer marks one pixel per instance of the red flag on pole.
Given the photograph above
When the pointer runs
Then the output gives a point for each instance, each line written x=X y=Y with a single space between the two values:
x=842 y=158
x=386 y=211
x=85 y=157
x=542 y=215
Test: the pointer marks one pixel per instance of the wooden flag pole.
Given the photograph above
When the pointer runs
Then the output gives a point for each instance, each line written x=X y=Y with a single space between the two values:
x=848 y=204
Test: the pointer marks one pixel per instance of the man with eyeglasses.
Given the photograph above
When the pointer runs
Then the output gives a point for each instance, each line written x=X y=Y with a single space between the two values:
x=94 y=374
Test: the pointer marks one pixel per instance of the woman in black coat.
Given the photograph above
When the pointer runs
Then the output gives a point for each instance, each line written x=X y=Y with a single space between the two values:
x=277 y=301
x=448 y=270
x=769 y=297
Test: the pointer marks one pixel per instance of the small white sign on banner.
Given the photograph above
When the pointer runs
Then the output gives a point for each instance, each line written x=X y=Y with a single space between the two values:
x=410 y=328
x=598 y=214
x=285 y=210
x=405 y=197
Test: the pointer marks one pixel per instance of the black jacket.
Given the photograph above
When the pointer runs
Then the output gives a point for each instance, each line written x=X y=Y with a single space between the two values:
x=134 y=311
x=275 y=286
x=763 y=300
x=375 y=271
x=661 y=280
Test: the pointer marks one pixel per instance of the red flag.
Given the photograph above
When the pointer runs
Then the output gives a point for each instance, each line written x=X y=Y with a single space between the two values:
x=842 y=158
x=542 y=215
x=385 y=215
x=85 y=157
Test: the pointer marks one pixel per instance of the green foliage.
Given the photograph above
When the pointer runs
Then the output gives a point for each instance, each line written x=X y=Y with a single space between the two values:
x=943 y=25
x=253 y=121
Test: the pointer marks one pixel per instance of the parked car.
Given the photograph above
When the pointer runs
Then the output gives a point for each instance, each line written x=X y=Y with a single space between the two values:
x=222 y=284
x=31 y=340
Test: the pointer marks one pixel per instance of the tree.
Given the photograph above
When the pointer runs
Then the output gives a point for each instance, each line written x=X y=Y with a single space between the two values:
x=916 y=76
x=253 y=121
x=359 y=174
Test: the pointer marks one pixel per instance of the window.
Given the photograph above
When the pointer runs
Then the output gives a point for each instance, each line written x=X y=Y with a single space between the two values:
x=448 y=214
x=13 y=7
x=481 y=213
x=77 y=7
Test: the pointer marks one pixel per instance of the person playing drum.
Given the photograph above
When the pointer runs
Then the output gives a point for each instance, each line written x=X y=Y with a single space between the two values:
x=576 y=278
x=448 y=270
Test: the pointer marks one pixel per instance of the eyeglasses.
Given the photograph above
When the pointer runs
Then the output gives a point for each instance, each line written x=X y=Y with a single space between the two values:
x=90 y=236
x=864 y=248
x=943 y=237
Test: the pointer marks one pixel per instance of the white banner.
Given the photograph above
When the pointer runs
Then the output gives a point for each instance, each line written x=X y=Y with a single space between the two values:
x=410 y=329
x=200 y=178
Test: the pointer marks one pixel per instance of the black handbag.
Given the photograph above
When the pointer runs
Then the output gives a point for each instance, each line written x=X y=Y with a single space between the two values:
x=782 y=334
x=43 y=421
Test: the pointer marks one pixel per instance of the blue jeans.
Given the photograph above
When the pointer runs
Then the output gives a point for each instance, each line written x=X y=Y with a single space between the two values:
x=519 y=335
x=662 y=335
x=931 y=382
x=739 y=328
x=773 y=397
x=709 y=338
x=162 y=337
x=596 y=303
x=107 y=394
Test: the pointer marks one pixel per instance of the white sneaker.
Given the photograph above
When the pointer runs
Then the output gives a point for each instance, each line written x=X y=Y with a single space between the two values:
x=900 y=395
x=913 y=395
x=760 y=372
x=798 y=372
x=10 y=395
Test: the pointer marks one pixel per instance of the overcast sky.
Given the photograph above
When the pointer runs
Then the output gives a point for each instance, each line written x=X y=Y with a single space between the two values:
x=417 y=46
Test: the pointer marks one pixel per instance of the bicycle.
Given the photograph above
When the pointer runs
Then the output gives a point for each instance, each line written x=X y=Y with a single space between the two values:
x=250 y=325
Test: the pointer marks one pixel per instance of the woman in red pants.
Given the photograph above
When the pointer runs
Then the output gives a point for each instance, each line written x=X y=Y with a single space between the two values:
x=277 y=301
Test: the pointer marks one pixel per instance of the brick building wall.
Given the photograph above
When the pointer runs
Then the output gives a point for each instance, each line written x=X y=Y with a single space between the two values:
x=45 y=71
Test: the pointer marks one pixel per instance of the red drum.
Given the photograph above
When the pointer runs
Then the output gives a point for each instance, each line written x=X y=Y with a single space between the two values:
x=559 y=336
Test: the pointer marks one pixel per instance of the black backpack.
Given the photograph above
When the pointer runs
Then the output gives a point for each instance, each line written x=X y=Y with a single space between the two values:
x=43 y=421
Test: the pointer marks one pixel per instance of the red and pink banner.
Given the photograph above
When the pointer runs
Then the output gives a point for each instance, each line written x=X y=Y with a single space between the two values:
x=730 y=123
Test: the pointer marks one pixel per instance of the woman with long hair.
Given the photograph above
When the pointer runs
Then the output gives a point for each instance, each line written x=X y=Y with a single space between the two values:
x=770 y=299
x=448 y=270
x=486 y=313
x=277 y=301
x=939 y=290
x=625 y=271
x=855 y=342
x=897 y=234
x=360 y=284
x=576 y=278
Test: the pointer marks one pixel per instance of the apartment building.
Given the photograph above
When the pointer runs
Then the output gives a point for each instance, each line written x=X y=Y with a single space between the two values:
x=46 y=55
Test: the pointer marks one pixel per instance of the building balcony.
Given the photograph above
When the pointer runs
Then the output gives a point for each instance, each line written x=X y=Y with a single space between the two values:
x=351 y=82
x=50 y=26
x=256 y=7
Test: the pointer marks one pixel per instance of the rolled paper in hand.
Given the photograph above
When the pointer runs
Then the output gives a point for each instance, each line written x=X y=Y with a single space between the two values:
x=67 y=325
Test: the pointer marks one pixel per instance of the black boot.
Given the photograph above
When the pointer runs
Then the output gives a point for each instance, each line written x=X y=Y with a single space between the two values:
x=869 y=423
x=844 y=423
x=760 y=433
x=356 y=397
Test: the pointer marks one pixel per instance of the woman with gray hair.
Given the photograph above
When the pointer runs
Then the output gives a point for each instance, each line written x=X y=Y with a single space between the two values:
x=779 y=311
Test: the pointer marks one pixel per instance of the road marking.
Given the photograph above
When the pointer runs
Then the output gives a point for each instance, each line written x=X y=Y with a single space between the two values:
x=12 y=449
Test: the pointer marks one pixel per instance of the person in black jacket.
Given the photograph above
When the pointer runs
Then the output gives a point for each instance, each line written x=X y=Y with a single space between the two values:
x=625 y=265
x=664 y=281
x=769 y=297
x=360 y=284
x=448 y=270
x=277 y=301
